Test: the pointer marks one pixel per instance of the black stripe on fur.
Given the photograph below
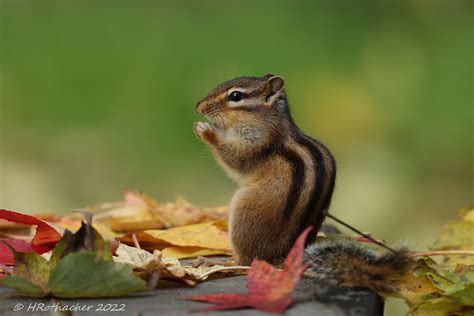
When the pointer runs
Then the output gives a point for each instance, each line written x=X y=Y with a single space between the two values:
x=297 y=165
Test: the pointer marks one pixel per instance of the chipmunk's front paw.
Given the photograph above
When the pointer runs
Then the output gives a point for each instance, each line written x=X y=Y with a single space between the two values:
x=201 y=128
x=205 y=132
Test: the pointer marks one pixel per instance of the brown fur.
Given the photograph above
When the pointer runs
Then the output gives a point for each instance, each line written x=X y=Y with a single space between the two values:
x=257 y=143
x=344 y=263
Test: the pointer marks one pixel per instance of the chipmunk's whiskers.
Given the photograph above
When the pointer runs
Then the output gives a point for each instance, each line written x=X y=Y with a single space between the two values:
x=215 y=118
x=219 y=116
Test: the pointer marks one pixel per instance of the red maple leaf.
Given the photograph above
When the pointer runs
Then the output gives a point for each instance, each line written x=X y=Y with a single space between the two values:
x=268 y=288
x=44 y=240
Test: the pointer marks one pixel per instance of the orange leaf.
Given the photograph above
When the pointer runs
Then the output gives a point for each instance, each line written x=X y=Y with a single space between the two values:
x=45 y=238
x=268 y=288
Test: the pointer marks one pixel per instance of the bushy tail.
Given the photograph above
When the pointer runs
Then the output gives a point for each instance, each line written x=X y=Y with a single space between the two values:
x=344 y=263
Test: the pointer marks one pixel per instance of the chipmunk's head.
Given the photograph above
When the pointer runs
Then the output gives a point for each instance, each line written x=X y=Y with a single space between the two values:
x=245 y=101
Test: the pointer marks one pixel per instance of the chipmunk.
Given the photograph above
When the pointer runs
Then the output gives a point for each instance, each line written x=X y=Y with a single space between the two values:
x=285 y=178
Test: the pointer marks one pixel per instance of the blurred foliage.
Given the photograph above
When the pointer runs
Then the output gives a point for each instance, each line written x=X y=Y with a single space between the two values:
x=98 y=96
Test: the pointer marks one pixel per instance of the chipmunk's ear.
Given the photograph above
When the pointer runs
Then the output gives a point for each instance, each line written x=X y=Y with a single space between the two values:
x=275 y=86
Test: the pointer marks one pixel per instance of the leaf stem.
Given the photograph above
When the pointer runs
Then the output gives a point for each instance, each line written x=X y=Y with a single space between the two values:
x=442 y=253
x=135 y=241
x=375 y=241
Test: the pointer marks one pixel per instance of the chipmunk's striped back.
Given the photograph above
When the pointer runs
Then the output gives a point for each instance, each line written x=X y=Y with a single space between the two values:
x=323 y=167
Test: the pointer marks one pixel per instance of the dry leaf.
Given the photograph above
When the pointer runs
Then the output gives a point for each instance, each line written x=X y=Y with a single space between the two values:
x=136 y=213
x=141 y=212
x=183 y=213
x=200 y=273
x=169 y=268
x=205 y=236
x=136 y=257
x=190 y=252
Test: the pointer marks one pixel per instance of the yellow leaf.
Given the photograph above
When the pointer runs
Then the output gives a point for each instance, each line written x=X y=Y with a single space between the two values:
x=205 y=235
x=416 y=288
x=136 y=213
x=210 y=235
x=458 y=235
x=190 y=252
x=182 y=213
x=74 y=225
x=441 y=307
x=141 y=212
x=137 y=218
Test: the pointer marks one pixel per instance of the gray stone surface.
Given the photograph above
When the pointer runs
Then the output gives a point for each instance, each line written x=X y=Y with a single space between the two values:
x=309 y=300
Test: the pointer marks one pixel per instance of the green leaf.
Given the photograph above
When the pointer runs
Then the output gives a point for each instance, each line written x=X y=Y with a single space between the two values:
x=83 y=274
x=30 y=275
x=81 y=265
x=32 y=267
x=445 y=287
x=454 y=295
x=441 y=307
x=58 y=251
x=462 y=290
x=23 y=286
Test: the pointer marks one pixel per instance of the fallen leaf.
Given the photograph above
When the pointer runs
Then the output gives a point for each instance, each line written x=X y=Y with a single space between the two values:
x=168 y=268
x=22 y=285
x=191 y=252
x=458 y=235
x=175 y=269
x=136 y=257
x=6 y=255
x=138 y=211
x=268 y=288
x=44 y=239
x=181 y=213
x=431 y=289
x=73 y=222
x=208 y=235
x=441 y=307
x=205 y=235
x=82 y=274
x=80 y=266
x=31 y=274
x=87 y=238
x=445 y=287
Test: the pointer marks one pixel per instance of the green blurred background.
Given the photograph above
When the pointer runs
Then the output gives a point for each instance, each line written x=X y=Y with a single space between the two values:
x=98 y=96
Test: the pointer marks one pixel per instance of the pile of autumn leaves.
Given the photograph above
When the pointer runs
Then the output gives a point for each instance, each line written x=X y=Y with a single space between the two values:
x=82 y=265
x=95 y=260
x=71 y=257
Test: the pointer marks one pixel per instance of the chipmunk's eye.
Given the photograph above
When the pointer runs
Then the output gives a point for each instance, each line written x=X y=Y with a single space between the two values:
x=236 y=96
